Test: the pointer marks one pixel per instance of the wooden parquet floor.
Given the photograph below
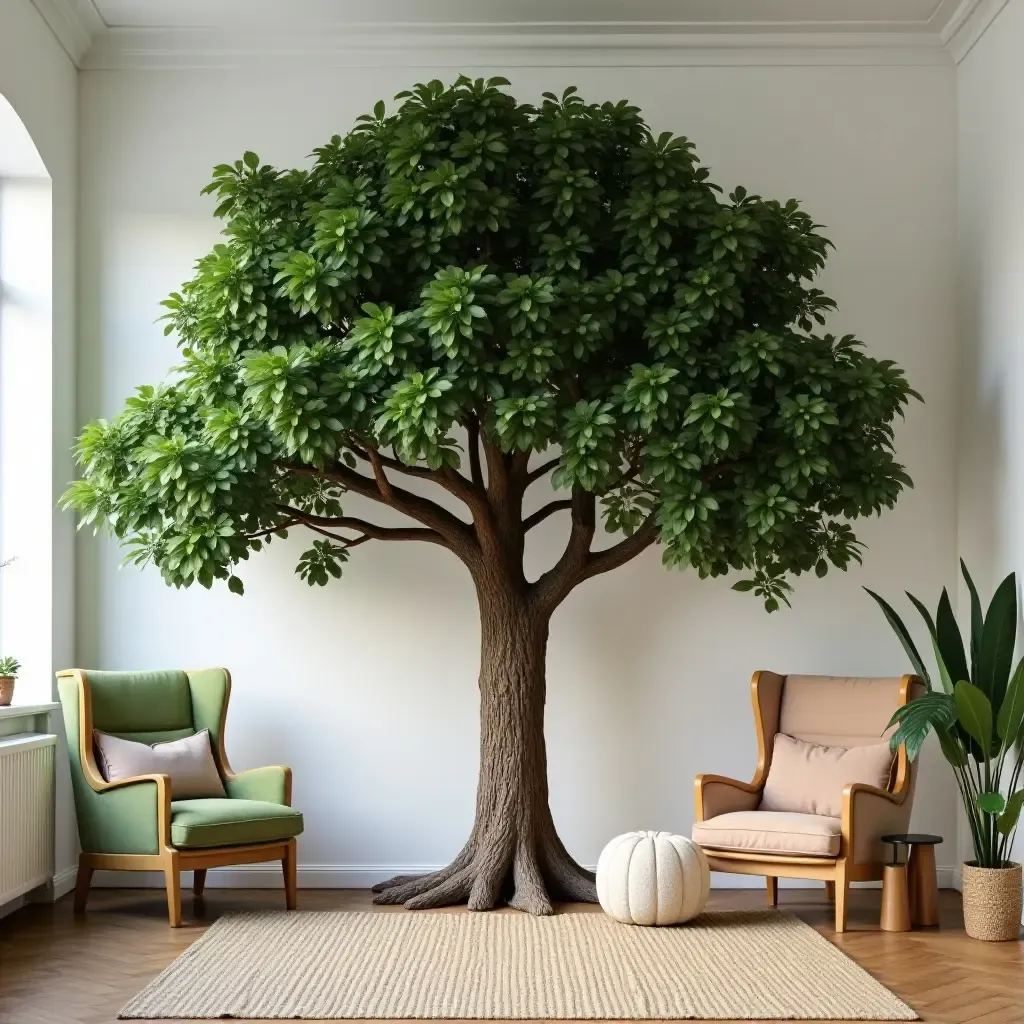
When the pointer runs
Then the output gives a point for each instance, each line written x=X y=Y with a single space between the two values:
x=58 y=969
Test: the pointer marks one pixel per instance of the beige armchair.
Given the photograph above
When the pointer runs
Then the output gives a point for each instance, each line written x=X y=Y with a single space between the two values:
x=836 y=711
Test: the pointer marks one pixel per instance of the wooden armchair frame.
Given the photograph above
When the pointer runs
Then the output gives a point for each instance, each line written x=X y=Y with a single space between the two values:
x=836 y=872
x=169 y=859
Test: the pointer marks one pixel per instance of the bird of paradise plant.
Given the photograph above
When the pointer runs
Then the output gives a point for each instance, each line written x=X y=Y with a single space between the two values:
x=976 y=711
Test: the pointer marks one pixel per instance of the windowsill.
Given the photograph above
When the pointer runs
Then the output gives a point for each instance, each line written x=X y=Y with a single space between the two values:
x=26 y=710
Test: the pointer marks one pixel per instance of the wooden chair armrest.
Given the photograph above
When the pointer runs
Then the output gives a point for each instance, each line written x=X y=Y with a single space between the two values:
x=747 y=787
x=853 y=789
x=732 y=795
x=868 y=814
x=101 y=785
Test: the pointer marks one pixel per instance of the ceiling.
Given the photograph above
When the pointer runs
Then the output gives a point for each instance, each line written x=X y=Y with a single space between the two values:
x=112 y=33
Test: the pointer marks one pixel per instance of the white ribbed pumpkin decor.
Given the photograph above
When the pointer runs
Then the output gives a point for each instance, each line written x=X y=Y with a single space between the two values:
x=652 y=878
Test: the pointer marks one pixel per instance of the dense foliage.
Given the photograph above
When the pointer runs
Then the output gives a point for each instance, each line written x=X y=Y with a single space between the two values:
x=976 y=711
x=551 y=276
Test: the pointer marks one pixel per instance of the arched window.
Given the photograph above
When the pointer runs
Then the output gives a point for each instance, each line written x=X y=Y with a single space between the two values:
x=26 y=429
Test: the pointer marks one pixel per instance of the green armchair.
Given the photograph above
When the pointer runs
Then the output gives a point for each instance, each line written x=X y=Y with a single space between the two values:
x=135 y=824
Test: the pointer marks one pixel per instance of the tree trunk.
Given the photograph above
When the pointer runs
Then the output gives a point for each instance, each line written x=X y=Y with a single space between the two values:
x=513 y=854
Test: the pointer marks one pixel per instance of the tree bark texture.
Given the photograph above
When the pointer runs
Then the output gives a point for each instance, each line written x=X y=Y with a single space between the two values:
x=513 y=854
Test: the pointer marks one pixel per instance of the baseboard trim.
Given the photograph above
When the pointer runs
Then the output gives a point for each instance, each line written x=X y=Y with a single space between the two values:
x=49 y=892
x=362 y=876
x=64 y=881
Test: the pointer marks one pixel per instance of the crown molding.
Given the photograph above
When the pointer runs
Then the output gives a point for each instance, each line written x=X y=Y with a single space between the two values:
x=969 y=23
x=75 y=23
x=468 y=47
x=951 y=31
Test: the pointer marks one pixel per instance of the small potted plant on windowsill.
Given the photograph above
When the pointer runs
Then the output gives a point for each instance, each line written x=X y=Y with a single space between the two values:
x=977 y=713
x=9 y=669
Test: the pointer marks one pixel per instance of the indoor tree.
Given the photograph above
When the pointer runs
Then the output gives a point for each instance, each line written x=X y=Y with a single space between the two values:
x=465 y=299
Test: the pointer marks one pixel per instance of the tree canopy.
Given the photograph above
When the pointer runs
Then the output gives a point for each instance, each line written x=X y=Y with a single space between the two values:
x=469 y=280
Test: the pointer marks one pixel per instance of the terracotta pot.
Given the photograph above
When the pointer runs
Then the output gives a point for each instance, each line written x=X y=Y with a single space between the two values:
x=992 y=902
x=6 y=690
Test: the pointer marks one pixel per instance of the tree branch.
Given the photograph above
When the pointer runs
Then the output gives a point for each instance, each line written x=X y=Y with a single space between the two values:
x=447 y=478
x=555 y=584
x=542 y=470
x=541 y=514
x=618 y=554
x=455 y=532
x=475 y=471
x=370 y=531
x=267 y=530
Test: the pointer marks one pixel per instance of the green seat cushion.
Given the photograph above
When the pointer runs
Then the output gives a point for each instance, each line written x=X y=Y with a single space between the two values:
x=218 y=821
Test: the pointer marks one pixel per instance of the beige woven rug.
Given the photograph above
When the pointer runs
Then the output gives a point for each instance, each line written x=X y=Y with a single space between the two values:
x=313 y=966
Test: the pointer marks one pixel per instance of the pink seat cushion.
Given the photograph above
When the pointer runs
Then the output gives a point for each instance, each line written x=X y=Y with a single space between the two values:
x=808 y=778
x=773 y=832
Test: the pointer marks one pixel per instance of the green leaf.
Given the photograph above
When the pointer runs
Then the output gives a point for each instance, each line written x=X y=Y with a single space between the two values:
x=997 y=642
x=950 y=642
x=925 y=614
x=944 y=677
x=903 y=634
x=1008 y=819
x=252 y=161
x=974 y=713
x=977 y=620
x=1011 y=713
x=235 y=585
x=951 y=747
x=918 y=718
x=991 y=803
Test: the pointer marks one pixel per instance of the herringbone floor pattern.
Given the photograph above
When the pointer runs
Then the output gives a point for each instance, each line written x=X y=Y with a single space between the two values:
x=56 y=969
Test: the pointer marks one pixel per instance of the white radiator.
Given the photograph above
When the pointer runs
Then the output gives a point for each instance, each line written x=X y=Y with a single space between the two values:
x=26 y=812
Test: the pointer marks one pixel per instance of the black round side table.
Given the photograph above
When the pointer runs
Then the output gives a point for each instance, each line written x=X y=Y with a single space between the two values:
x=921 y=877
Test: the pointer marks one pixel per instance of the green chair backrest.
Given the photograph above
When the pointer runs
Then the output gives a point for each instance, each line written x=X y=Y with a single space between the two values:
x=148 y=707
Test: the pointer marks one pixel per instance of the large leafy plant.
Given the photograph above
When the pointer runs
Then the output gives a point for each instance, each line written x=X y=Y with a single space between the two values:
x=977 y=711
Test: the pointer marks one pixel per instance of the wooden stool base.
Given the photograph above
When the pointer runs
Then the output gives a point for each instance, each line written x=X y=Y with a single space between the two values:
x=895 y=899
x=924 y=886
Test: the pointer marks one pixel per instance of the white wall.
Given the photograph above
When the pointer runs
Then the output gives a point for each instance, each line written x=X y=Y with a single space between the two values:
x=368 y=689
x=991 y=178
x=39 y=81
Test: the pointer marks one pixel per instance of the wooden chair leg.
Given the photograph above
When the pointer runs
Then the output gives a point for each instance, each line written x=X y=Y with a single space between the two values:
x=172 y=879
x=841 y=890
x=82 y=883
x=198 y=881
x=773 y=890
x=830 y=891
x=288 y=866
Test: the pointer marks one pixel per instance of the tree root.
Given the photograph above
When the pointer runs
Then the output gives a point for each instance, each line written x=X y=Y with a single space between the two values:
x=568 y=880
x=530 y=893
x=403 y=888
x=496 y=870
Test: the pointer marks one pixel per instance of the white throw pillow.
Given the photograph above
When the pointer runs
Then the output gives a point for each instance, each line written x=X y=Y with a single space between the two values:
x=189 y=763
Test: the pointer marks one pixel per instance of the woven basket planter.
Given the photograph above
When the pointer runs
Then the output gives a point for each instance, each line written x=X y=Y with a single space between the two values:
x=992 y=902
x=6 y=690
